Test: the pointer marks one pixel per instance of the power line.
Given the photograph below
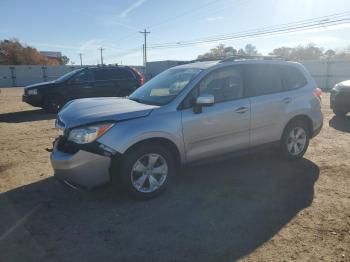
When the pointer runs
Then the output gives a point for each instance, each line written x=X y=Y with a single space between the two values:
x=296 y=26
x=313 y=23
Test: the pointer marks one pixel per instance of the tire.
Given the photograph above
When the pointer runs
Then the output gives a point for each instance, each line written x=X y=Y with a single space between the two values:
x=138 y=169
x=339 y=113
x=295 y=140
x=52 y=104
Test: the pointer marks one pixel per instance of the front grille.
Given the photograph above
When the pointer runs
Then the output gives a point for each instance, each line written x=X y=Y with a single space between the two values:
x=66 y=146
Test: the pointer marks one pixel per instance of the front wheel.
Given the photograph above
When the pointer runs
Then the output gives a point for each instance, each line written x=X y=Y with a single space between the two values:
x=295 y=140
x=52 y=104
x=146 y=170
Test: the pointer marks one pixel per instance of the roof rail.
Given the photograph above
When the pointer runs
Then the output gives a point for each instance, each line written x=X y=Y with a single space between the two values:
x=207 y=59
x=257 y=57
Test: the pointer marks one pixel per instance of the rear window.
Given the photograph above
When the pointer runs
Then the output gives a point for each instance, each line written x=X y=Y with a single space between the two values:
x=113 y=74
x=263 y=79
x=292 y=77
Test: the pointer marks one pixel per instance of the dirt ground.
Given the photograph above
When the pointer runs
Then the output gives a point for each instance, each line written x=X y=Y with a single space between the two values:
x=252 y=208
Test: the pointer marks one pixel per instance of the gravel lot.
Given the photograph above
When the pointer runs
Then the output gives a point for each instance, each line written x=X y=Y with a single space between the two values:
x=253 y=208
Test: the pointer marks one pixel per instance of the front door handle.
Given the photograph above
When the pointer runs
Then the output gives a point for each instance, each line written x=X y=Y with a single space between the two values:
x=241 y=110
x=287 y=100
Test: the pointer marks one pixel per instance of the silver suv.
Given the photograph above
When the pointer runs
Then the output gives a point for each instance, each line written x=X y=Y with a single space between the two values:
x=188 y=113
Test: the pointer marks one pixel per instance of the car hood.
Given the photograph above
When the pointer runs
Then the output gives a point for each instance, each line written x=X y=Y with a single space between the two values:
x=345 y=83
x=91 y=110
x=38 y=85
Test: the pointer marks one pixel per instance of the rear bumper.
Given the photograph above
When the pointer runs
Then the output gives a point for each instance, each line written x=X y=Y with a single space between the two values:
x=81 y=169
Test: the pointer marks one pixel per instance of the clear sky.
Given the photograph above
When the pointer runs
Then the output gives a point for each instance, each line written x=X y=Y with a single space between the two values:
x=82 y=26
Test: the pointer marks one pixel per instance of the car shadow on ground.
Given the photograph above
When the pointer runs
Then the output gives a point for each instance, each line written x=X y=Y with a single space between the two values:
x=26 y=116
x=216 y=212
x=340 y=123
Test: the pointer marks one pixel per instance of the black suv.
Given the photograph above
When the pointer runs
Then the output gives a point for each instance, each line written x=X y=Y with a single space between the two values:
x=85 y=82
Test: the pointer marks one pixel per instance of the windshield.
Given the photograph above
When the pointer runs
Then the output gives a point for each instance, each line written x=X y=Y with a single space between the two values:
x=68 y=75
x=163 y=88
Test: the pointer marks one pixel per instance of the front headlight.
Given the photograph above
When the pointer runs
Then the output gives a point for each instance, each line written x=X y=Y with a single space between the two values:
x=336 y=88
x=32 y=92
x=88 y=134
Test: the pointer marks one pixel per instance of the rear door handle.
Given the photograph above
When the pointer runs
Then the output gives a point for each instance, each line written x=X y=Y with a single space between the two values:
x=241 y=110
x=287 y=100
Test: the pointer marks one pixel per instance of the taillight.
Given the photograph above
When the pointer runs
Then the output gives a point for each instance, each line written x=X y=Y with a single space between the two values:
x=141 y=77
x=318 y=93
x=142 y=80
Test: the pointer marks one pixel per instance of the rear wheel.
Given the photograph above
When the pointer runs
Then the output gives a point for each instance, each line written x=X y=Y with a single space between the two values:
x=146 y=170
x=295 y=140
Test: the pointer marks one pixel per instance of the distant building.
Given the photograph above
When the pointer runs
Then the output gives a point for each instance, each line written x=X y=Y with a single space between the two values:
x=51 y=55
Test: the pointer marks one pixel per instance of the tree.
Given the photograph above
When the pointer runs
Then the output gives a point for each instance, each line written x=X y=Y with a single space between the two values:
x=282 y=51
x=220 y=52
x=63 y=60
x=330 y=53
x=343 y=54
x=308 y=52
x=12 y=52
x=249 y=49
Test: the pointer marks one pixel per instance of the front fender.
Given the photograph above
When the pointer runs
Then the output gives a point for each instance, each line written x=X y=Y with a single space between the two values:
x=125 y=134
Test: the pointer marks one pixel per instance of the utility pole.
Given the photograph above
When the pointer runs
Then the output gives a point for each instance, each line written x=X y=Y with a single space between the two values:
x=81 y=59
x=144 y=32
x=143 y=56
x=101 y=49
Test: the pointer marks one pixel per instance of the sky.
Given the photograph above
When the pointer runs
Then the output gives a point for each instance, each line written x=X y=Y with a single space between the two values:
x=83 y=26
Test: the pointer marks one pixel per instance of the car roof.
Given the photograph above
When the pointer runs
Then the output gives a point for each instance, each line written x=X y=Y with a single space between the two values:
x=209 y=64
x=108 y=67
x=345 y=84
x=199 y=65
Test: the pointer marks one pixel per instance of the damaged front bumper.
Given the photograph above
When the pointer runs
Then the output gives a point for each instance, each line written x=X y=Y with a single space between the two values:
x=83 y=167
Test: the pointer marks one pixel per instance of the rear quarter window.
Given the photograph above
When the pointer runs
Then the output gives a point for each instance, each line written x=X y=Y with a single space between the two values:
x=293 y=78
x=113 y=74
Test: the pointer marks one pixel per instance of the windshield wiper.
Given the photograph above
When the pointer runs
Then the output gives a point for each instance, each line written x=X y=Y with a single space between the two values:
x=136 y=100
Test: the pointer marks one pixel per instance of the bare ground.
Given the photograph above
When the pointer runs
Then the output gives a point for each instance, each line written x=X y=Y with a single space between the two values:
x=253 y=208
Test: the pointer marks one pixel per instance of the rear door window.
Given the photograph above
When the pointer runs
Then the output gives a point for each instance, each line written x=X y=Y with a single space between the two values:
x=263 y=79
x=292 y=77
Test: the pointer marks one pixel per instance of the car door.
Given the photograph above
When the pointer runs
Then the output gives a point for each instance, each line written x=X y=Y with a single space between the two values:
x=80 y=85
x=105 y=82
x=223 y=127
x=270 y=103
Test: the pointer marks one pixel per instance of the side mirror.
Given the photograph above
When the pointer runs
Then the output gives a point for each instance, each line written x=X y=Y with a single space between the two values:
x=204 y=100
